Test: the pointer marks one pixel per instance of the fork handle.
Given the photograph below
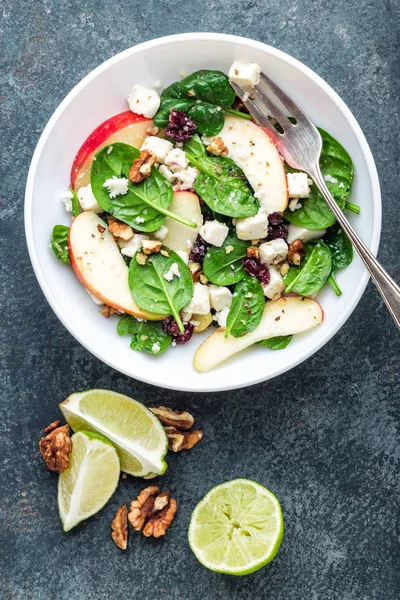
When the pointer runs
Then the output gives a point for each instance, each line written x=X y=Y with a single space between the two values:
x=387 y=287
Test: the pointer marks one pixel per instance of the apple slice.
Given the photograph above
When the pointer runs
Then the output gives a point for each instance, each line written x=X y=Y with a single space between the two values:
x=99 y=266
x=181 y=237
x=285 y=316
x=251 y=148
x=126 y=127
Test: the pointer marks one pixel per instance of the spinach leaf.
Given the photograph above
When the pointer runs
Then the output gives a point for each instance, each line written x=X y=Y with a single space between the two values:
x=145 y=206
x=152 y=290
x=145 y=334
x=342 y=253
x=277 y=343
x=221 y=183
x=313 y=273
x=59 y=242
x=202 y=96
x=76 y=209
x=338 y=171
x=223 y=266
x=247 y=307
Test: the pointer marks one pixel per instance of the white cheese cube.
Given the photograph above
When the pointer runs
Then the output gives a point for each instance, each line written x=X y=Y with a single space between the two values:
x=220 y=297
x=87 y=200
x=273 y=252
x=161 y=233
x=176 y=160
x=144 y=101
x=116 y=186
x=294 y=204
x=253 y=228
x=298 y=185
x=222 y=316
x=200 y=303
x=244 y=74
x=67 y=199
x=214 y=232
x=301 y=233
x=184 y=256
x=158 y=147
x=275 y=285
x=129 y=248
x=165 y=172
x=187 y=177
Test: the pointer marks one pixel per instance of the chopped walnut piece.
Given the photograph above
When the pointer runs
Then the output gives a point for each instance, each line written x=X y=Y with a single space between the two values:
x=284 y=268
x=203 y=279
x=55 y=448
x=159 y=521
x=141 y=167
x=154 y=130
x=164 y=253
x=182 y=440
x=142 y=507
x=141 y=258
x=253 y=252
x=176 y=418
x=151 y=246
x=119 y=527
x=107 y=311
x=296 y=253
x=217 y=147
x=161 y=501
x=119 y=229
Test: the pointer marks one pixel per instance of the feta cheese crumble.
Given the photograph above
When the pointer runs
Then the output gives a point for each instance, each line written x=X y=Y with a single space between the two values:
x=184 y=256
x=172 y=272
x=87 y=200
x=161 y=233
x=144 y=101
x=129 y=248
x=220 y=297
x=298 y=185
x=329 y=179
x=222 y=315
x=187 y=177
x=139 y=220
x=67 y=199
x=295 y=232
x=273 y=252
x=253 y=228
x=214 y=232
x=244 y=74
x=200 y=302
x=176 y=160
x=158 y=147
x=275 y=285
x=116 y=186
x=156 y=347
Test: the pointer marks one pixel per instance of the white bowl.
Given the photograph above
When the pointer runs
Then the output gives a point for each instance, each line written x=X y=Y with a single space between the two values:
x=102 y=94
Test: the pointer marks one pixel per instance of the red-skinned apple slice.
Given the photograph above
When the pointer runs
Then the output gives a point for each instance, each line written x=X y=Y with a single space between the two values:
x=285 y=316
x=251 y=148
x=126 y=127
x=181 y=237
x=99 y=266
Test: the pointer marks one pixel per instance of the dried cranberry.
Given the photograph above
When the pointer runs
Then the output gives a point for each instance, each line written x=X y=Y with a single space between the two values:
x=275 y=218
x=199 y=250
x=256 y=269
x=180 y=128
x=277 y=231
x=171 y=327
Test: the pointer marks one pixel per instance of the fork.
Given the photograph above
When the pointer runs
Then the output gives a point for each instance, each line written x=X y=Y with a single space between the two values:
x=300 y=144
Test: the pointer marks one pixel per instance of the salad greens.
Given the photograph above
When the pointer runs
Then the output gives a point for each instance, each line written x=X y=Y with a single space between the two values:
x=76 y=209
x=277 y=343
x=147 y=336
x=145 y=206
x=342 y=253
x=221 y=183
x=223 y=266
x=247 y=307
x=153 y=291
x=338 y=171
x=313 y=273
x=59 y=242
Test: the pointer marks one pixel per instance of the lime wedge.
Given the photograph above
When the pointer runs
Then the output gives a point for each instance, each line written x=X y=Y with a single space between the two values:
x=135 y=432
x=237 y=528
x=90 y=480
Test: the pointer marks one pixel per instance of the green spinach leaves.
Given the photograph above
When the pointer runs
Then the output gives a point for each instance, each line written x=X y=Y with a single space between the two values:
x=147 y=336
x=313 y=273
x=59 y=242
x=277 y=343
x=203 y=96
x=223 y=266
x=221 y=183
x=247 y=307
x=163 y=285
x=342 y=253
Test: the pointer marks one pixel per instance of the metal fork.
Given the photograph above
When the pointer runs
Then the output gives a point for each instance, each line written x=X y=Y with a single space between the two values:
x=300 y=144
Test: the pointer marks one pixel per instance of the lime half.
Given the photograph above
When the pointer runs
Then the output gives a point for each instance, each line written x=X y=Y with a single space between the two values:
x=237 y=528
x=135 y=432
x=90 y=480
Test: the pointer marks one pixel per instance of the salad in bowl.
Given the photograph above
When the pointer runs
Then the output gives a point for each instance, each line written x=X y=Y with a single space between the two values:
x=185 y=218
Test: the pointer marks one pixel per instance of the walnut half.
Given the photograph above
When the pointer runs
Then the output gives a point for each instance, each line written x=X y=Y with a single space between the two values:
x=182 y=440
x=55 y=448
x=119 y=527
x=158 y=509
x=176 y=418
x=141 y=167
x=296 y=253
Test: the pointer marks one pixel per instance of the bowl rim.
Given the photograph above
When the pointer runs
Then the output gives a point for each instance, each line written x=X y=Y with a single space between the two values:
x=250 y=43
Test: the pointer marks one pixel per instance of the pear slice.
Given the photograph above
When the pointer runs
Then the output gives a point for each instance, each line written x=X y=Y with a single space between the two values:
x=99 y=266
x=285 y=316
x=181 y=238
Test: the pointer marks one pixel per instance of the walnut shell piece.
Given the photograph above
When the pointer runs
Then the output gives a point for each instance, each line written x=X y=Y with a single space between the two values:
x=119 y=527
x=141 y=167
x=180 y=419
x=56 y=447
x=296 y=253
x=182 y=440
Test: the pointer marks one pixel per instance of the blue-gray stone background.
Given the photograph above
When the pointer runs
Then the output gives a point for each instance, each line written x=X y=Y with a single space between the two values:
x=324 y=437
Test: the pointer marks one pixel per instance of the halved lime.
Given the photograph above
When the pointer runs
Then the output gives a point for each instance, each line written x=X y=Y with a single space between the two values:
x=90 y=480
x=136 y=433
x=237 y=528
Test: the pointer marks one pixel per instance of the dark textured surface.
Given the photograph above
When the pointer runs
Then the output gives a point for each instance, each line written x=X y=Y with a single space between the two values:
x=324 y=437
